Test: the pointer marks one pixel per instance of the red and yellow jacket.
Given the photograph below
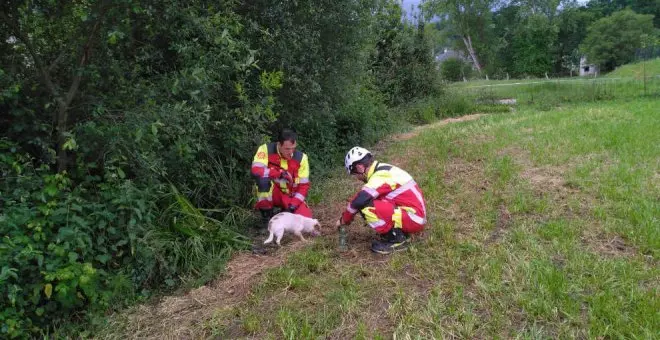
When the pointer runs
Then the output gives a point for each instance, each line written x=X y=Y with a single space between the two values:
x=268 y=163
x=387 y=182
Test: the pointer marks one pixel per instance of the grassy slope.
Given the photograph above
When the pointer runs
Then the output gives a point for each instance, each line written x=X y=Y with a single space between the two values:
x=625 y=82
x=637 y=70
x=541 y=224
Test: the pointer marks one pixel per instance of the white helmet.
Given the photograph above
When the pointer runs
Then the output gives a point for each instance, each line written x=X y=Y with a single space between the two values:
x=353 y=155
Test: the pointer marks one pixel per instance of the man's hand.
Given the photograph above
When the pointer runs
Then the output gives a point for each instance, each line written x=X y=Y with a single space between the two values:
x=292 y=208
x=275 y=173
x=343 y=220
x=285 y=175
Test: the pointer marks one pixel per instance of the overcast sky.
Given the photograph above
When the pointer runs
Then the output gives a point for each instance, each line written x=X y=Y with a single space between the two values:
x=406 y=6
x=407 y=3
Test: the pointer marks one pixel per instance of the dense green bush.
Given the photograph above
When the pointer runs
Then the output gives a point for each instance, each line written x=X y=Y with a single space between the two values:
x=454 y=69
x=68 y=245
x=128 y=129
x=612 y=41
x=403 y=67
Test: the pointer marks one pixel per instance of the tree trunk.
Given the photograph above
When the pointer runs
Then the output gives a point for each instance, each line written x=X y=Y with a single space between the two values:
x=63 y=101
x=468 y=45
x=61 y=139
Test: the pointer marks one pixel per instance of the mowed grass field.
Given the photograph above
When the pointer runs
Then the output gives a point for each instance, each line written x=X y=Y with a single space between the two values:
x=543 y=224
x=638 y=80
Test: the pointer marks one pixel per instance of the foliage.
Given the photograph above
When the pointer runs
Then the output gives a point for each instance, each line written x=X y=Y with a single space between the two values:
x=533 y=46
x=572 y=29
x=403 y=65
x=128 y=126
x=61 y=241
x=608 y=7
x=455 y=69
x=611 y=41
x=520 y=38
x=469 y=21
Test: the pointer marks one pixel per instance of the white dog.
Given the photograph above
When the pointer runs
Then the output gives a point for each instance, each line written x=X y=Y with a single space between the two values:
x=286 y=221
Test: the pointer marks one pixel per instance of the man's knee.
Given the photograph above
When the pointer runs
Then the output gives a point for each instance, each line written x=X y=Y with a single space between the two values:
x=263 y=184
x=412 y=222
x=380 y=221
x=264 y=203
x=303 y=210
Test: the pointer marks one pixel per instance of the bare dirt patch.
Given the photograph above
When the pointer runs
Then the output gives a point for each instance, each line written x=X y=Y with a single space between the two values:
x=608 y=245
x=459 y=171
x=543 y=178
x=182 y=317
x=469 y=182
x=502 y=223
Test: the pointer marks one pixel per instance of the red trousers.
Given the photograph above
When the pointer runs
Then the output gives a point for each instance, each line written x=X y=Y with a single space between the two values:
x=383 y=215
x=282 y=200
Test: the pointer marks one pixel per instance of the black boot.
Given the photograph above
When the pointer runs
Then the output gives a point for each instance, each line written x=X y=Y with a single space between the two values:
x=393 y=241
x=388 y=236
x=266 y=215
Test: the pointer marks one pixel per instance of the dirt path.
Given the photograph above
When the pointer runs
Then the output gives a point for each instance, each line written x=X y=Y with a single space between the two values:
x=417 y=130
x=183 y=316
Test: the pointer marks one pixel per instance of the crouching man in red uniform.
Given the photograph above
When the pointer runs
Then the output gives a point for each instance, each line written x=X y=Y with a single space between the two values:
x=282 y=176
x=391 y=202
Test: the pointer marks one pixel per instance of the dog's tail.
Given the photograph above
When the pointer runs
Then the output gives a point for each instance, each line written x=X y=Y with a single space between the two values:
x=269 y=239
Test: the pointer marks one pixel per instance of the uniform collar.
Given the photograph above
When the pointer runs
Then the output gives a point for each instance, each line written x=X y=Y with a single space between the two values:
x=372 y=169
x=277 y=148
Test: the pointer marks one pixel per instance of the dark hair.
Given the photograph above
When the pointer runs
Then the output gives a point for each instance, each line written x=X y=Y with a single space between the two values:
x=366 y=161
x=287 y=135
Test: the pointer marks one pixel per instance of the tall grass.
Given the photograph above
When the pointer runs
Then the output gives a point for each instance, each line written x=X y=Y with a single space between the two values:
x=196 y=243
x=549 y=94
x=453 y=103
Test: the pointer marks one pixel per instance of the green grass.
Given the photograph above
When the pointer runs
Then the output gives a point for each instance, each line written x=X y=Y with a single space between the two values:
x=542 y=224
x=547 y=95
x=637 y=70
x=484 y=82
x=626 y=82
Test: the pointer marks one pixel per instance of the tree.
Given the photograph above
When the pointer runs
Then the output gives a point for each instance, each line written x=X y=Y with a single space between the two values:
x=403 y=63
x=612 y=41
x=533 y=45
x=505 y=28
x=603 y=8
x=547 y=8
x=455 y=69
x=469 y=19
x=526 y=32
x=60 y=41
x=572 y=24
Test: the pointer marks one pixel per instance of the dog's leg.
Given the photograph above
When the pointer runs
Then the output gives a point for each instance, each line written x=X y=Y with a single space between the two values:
x=299 y=234
x=280 y=234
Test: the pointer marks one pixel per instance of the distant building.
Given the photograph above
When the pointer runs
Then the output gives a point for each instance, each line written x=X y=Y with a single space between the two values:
x=587 y=69
x=448 y=54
